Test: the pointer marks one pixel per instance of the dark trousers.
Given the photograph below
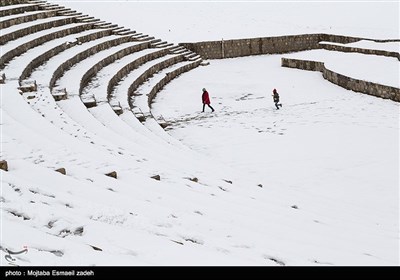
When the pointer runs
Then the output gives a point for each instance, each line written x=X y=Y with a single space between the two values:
x=276 y=104
x=204 y=106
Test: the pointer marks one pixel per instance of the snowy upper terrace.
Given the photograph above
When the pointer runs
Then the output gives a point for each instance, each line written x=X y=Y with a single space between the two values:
x=194 y=21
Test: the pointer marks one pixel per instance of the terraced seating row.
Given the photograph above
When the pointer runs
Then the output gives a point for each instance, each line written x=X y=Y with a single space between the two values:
x=18 y=7
x=23 y=29
x=26 y=17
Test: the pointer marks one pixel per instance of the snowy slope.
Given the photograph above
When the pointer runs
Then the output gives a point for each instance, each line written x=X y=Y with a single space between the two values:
x=314 y=183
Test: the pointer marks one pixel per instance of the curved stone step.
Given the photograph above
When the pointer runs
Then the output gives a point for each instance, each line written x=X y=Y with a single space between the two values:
x=27 y=28
x=4 y=3
x=12 y=9
x=26 y=17
x=14 y=49
x=126 y=33
x=89 y=74
x=131 y=71
x=69 y=12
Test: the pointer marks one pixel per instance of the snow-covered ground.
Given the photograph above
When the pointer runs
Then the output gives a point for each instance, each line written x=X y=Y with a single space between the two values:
x=314 y=183
x=192 y=21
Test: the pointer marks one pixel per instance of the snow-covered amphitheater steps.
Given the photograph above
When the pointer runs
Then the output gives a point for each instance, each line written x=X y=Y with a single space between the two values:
x=64 y=56
x=100 y=87
x=75 y=74
x=8 y=8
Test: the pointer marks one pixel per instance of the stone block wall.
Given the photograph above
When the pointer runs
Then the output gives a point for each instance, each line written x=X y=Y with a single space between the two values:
x=346 y=82
x=303 y=64
x=265 y=45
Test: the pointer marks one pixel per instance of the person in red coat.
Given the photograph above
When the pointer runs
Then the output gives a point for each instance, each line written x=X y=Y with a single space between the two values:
x=206 y=100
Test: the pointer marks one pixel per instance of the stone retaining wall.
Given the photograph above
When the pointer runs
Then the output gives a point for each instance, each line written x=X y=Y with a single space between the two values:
x=265 y=45
x=346 y=82
x=270 y=45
